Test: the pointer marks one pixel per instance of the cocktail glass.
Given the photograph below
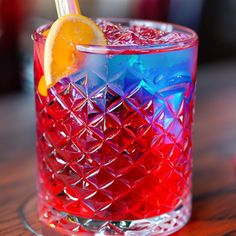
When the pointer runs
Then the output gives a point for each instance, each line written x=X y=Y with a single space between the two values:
x=114 y=139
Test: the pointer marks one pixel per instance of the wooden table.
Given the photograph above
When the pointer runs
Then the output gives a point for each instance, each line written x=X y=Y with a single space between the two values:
x=214 y=175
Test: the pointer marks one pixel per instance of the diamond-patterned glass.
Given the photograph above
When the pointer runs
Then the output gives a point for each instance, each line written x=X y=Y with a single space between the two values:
x=114 y=143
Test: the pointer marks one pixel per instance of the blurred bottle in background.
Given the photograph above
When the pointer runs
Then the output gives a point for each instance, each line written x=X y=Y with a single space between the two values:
x=217 y=31
x=183 y=12
x=10 y=24
x=186 y=12
x=153 y=9
x=13 y=16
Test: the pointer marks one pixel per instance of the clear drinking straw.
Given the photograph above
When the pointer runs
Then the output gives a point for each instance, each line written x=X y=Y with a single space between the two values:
x=65 y=7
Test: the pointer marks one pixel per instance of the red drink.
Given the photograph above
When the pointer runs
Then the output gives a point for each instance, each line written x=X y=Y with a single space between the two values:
x=114 y=139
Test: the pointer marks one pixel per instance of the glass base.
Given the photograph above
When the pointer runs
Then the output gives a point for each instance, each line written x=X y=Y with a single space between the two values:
x=63 y=224
x=29 y=217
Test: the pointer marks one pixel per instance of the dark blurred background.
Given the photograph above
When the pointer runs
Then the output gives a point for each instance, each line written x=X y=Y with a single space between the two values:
x=214 y=21
x=215 y=122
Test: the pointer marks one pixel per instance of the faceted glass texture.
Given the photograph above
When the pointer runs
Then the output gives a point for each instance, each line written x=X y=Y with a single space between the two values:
x=114 y=139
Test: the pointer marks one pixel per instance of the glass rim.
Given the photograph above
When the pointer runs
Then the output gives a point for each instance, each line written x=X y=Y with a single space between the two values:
x=191 y=41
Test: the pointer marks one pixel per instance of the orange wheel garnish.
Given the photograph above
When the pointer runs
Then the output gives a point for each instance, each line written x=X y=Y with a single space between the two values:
x=61 y=57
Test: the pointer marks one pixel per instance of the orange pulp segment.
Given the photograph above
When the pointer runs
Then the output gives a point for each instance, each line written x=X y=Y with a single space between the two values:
x=42 y=88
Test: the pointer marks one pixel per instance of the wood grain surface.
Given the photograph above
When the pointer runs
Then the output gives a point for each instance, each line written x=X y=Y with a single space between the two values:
x=214 y=174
